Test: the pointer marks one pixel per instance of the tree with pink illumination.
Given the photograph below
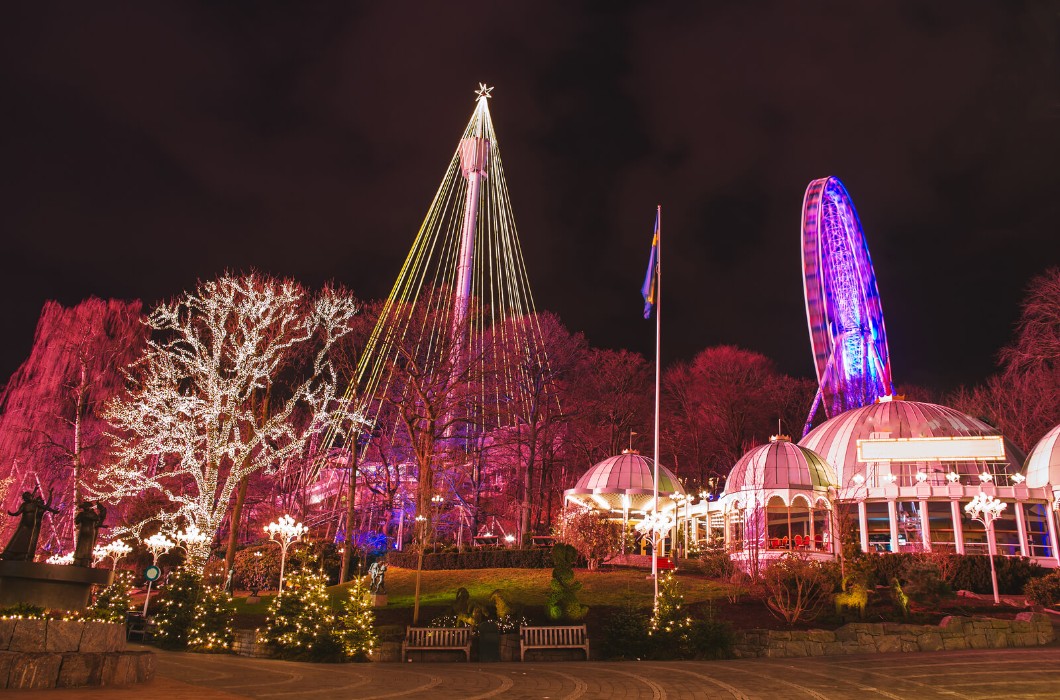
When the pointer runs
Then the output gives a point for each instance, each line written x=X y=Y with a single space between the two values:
x=191 y=426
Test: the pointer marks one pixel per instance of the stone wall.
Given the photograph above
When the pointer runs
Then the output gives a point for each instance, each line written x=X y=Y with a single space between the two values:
x=68 y=654
x=1028 y=629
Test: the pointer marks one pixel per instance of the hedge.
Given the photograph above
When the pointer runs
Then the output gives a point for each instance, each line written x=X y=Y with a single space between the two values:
x=538 y=558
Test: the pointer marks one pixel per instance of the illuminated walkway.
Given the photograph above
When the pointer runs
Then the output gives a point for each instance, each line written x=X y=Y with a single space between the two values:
x=1015 y=673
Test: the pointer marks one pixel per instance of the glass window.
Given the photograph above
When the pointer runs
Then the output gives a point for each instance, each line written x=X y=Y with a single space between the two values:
x=974 y=533
x=778 y=532
x=1039 y=542
x=879 y=526
x=940 y=517
x=822 y=539
x=1006 y=533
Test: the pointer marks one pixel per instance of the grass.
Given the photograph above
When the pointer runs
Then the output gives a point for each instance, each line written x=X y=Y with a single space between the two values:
x=525 y=586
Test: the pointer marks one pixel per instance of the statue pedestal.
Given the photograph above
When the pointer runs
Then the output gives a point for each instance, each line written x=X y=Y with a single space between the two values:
x=378 y=600
x=51 y=586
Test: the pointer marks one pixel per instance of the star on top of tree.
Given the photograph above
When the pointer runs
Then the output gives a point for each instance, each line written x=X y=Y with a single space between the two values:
x=484 y=91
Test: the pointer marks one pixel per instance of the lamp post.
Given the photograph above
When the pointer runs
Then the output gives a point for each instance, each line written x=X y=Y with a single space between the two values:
x=986 y=510
x=655 y=525
x=191 y=540
x=436 y=502
x=285 y=532
x=158 y=544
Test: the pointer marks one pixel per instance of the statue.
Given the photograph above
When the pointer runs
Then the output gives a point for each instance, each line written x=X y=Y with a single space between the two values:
x=89 y=521
x=23 y=543
x=378 y=573
x=228 y=581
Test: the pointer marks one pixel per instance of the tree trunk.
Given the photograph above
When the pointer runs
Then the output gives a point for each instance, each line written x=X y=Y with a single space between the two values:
x=351 y=493
x=233 y=525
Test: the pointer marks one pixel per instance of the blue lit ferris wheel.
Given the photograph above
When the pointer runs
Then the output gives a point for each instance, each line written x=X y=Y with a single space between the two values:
x=842 y=303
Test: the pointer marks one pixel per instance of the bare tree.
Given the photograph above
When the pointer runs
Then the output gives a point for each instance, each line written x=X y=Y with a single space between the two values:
x=193 y=405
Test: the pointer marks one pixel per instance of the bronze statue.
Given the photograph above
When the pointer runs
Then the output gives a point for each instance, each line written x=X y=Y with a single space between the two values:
x=23 y=543
x=89 y=520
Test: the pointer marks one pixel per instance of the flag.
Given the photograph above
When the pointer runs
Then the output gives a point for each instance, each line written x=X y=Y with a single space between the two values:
x=651 y=279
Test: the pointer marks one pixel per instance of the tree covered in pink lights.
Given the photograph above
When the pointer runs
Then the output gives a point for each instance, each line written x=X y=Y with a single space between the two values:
x=235 y=379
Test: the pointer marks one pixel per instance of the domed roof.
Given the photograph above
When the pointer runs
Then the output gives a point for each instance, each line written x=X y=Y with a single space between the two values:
x=624 y=481
x=780 y=465
x=837 y=439
x=1043 y=462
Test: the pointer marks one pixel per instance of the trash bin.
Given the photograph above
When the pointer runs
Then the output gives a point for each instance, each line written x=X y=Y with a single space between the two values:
x=489 y=642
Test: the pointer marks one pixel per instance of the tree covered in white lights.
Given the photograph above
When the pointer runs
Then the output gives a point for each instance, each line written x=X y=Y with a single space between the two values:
x=235 y=378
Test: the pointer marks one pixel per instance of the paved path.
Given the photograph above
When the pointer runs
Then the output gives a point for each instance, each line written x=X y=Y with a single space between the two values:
x=1011 y=673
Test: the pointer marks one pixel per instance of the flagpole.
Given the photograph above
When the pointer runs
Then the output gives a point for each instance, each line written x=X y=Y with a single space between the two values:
x=658 y=375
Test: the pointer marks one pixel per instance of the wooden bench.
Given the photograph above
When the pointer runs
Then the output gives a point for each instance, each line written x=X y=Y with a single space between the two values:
x=436 y=639
x=572 y=637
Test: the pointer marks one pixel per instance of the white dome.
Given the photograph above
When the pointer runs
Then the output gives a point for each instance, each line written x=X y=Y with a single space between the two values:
x=1043 y=462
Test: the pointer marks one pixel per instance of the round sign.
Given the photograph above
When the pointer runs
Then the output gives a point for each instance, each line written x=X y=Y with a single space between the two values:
x=152 y=573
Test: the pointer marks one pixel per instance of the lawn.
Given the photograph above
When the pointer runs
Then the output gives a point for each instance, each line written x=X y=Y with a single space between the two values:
x=526 y=586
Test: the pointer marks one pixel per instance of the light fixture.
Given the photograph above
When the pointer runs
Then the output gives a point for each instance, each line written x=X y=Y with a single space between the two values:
x=1018 y=479
x=986 y=477
x=858 y=479
x=890 y=478
x=986 y=510
x=921 y=477
x=953 y=477
x=285 y=532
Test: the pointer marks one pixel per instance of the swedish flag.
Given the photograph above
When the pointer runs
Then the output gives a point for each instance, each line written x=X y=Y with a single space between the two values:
x=651 y=279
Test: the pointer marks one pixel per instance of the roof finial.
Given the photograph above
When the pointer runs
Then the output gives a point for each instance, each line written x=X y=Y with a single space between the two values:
x=483 y=91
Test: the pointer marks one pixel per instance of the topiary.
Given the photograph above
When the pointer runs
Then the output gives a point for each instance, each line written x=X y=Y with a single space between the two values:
x=563 y=599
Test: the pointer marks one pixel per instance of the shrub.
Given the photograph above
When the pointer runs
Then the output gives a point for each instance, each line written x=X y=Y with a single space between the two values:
x=899 y=598
x=797 y=588
x=592 y=534
x=626 y=634
x=1044 y=591
x=711 y=639
x=563 y=600
x=257 y=568
x=211 y=626
x=25 y=611
x=176 y=609
x=973 y=574
x=716 y=564
x=924 y=581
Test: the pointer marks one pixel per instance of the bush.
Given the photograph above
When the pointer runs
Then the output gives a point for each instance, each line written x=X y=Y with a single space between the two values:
x=716 y=564
x=176 y=609
x=1044 y=591
x=1013 y=573
x=797 y=588
x=626 y=634
x=479 y=558
x=593 y=535
x=924 y=581
x=25 y=611
x=711 y=639
x=257 y=568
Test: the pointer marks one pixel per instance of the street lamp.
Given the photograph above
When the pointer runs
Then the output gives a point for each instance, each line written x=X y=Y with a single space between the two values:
x=986 y=510
x=655 y=526
x=116 y=550
x=158 y=544
x=190 y=539
x=285 y=532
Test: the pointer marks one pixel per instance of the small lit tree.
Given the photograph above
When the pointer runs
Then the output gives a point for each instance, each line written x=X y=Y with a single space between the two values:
x=357 y=623
x=211 y=626
x=113 y=602
x=300 y=622
x=670 y=625
x=176 y=608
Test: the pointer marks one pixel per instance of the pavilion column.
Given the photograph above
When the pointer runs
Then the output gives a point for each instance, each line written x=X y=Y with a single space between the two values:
x=1051 y=519
x=1021 y=528
x=892 y=517
x=812 y=546
x=958 y=529
x=925 y=526
x=863 y=526
x=625 y=527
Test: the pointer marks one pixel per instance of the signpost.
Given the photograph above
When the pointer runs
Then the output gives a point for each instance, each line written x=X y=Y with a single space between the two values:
x=151 y=573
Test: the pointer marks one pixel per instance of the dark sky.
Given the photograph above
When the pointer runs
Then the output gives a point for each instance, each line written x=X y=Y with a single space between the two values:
x=145 y=145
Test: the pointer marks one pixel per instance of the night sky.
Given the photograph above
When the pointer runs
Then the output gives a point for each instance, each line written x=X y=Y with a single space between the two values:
x=145 y=145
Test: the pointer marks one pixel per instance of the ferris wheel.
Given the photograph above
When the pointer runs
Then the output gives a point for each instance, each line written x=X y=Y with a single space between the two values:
x=842 y=303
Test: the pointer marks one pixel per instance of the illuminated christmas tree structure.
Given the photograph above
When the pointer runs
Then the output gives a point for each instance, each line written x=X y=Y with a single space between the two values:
x=176 y=608
x=358 y=621
x=301 y=622
x=113 y=602
x=211 y=627
x=670 y=619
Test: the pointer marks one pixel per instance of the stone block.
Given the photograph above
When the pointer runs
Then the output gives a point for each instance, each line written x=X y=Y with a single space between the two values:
x=78 y=670
x=29 y=636
x=847 y=633
x=952 y=622
x=64 y=635
x=888 y=643
x=118 y=669
x=978 y=641
x=34 y=671
x=145 y=665
x=832 y=648
x=799 y=635
x=823 y=636
x=815 y=648
x=796 y=648
x=999 y=624
x=7 y=628
x=951 y=643
x=390 y=652
x=102 y=637
x=1026 y=639
x=779 y=635
x=931 y=641
x=997 y=639
x=7 y=661
x=910 y=645
x=1046 y=637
